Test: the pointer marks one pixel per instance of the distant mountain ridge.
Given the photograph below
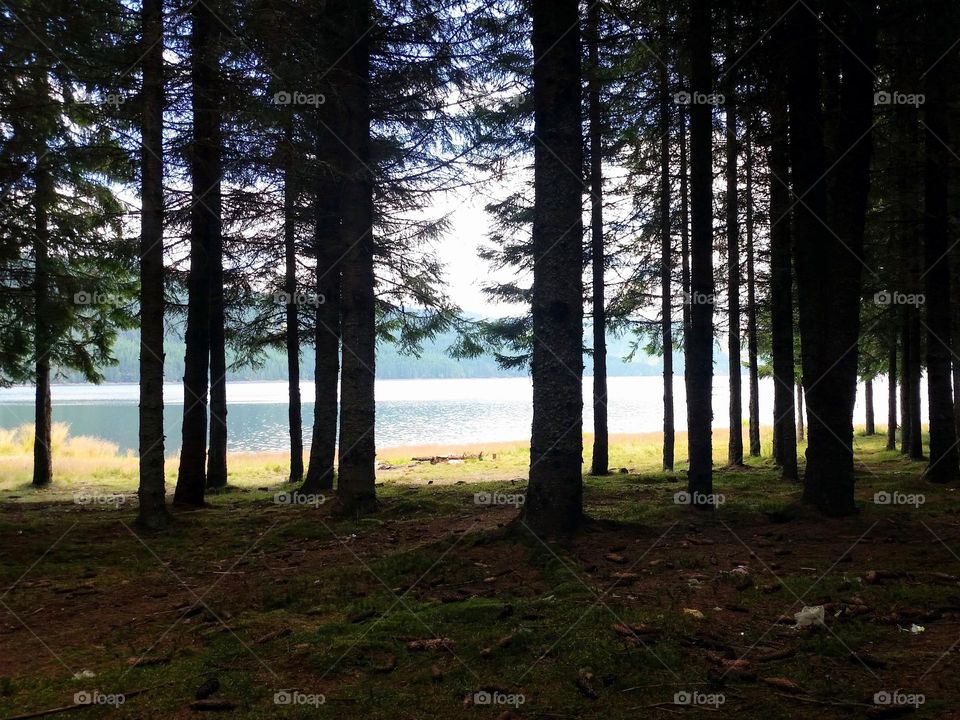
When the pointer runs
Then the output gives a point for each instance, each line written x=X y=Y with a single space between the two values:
x=433 y=362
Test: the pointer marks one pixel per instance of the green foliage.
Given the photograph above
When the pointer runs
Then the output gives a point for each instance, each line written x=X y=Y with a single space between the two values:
x=66 y=285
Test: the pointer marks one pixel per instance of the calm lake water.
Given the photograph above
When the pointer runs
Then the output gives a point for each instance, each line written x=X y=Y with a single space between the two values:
x=409 y=412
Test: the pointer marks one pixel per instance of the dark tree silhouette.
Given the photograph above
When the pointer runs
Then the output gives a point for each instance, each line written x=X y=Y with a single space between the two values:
x=292 y=329
x=666 y=270
x=554 y=502
x=600 y=462
x=356 y=471
x=753 y=362
x=829 y=261
x=781 y=288
x=892 y=396
x=732 y=209
x=940 y=28
x=205 y=241
x=700 y=343
x=327 y=246
x=153 y=510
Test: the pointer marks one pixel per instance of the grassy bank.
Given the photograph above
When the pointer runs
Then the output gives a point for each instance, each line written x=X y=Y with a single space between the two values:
x=82 y=463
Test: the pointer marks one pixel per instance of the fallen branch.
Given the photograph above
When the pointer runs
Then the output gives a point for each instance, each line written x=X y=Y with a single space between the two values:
x=437 y=459
x=831 y=703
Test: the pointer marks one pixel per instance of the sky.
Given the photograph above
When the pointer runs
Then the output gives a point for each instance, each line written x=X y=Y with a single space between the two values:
x=466 y=272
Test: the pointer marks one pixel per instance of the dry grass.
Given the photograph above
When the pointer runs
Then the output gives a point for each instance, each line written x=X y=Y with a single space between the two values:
x=87 y=462
x=19 y=441
x=78 y=460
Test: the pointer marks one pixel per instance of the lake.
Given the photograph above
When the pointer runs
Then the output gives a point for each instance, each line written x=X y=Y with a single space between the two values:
x=409 y=412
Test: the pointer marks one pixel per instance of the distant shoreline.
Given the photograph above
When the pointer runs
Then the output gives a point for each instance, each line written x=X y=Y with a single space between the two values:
x=134 y=383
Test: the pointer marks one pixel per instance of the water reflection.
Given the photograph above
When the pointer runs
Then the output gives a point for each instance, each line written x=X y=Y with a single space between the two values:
x=409 y=411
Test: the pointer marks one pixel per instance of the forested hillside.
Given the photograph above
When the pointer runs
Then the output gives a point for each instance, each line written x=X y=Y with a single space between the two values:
x=432 y=362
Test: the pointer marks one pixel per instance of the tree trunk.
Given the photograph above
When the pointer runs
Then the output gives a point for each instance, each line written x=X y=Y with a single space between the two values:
x=328 y=251
x=292 y=330
x=829 y=263
x=204 y=235
x=326 y=375
x=907 y=183
x=43 y=417
x=356 y=489
x=700 y=343
x=892 y=397
x=781 y=289
x=601 y=451
x=809 y=165
x=905 y=396
x=871 y=428
x=153 y=513
x=955 y=330
x=801 y=435
x=684 y=241
x=666 y=273
x=752 y=350
x=735 y=444
x=43 y=426
x=217 y=453
x=915 y=449
x=956 y=394
x=943 y=466
x=684 y=232
x=554 y=502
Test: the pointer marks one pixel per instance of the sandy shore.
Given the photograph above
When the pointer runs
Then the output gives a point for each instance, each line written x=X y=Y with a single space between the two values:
x=405 y=451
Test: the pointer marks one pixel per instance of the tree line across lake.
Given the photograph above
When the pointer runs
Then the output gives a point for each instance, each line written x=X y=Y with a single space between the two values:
x=780 y=177
x=431 y=360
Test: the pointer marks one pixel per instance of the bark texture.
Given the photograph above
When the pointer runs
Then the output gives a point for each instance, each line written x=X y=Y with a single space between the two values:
x=601 y=451
x=939 y=26
x=204 y=248
x=356 y=492
x=700 y=342
x=554 y=502
x=152 y=513
x=829 y=264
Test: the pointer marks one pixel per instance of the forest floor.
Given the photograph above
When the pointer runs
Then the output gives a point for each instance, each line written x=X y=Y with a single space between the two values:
x=443 y=605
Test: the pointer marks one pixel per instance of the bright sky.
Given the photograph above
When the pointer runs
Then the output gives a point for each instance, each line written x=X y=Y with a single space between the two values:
x=466 y=272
